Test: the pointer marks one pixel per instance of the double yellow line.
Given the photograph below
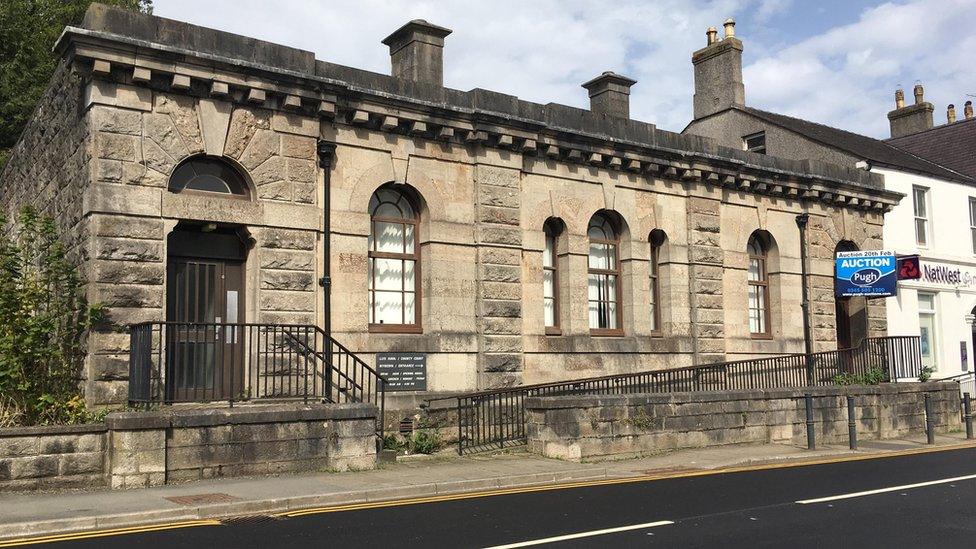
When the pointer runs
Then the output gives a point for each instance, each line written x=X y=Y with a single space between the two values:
x=107 y=533
x=493 y=492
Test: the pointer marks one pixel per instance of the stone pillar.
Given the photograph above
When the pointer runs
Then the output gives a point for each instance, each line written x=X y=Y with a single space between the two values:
x=136 y=449
x=499 y=300
x=705 y=273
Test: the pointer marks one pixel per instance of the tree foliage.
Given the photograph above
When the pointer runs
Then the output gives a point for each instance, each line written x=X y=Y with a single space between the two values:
x=28 y=31
x=45 y=321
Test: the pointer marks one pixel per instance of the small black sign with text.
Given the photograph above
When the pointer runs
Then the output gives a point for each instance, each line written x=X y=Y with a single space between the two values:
x=403 y=371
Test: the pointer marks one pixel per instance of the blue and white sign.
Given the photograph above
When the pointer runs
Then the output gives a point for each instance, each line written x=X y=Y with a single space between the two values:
x=870 y=273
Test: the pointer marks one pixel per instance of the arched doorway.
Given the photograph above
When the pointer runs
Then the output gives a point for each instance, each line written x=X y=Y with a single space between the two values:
x=851 y=313
x=205 y=293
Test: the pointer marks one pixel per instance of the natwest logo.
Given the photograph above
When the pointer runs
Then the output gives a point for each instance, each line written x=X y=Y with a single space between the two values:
x=946 y=274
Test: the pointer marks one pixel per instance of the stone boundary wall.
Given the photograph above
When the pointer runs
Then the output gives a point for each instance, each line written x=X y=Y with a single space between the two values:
x=139 y=449
x=38 y=458
x=621 y=426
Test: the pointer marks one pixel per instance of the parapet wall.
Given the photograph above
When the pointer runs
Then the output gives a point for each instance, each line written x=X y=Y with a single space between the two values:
x=138 y=449
x=620 y=426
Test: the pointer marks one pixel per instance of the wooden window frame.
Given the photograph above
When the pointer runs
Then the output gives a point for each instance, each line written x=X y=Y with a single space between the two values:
x=619 y=330
x=755 y=149
x=555 y=329
x=762 y=283
x=404 y=328
x=655 y=288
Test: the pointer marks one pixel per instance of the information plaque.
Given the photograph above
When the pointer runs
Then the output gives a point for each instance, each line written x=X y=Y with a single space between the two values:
x=403 y=371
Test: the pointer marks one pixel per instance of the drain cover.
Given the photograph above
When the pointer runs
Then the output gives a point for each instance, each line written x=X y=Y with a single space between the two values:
x=248 y=519
x=202 y=499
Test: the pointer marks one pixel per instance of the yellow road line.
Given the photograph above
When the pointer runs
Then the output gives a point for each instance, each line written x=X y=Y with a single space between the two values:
x=622 y=480
x=106 y=533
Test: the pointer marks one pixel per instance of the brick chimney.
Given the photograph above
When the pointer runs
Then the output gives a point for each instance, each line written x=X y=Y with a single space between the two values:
x=417 y=52
x=718 y=72
x=913 y=118
x=610 y=94
x=950 y=113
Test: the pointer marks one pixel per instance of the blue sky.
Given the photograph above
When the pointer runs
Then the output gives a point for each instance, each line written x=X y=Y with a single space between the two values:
x=836 y=62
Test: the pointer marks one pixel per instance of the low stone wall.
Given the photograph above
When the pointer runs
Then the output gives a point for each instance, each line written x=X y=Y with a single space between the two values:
x=36 y=458
x=137 y=449
x=619 y=426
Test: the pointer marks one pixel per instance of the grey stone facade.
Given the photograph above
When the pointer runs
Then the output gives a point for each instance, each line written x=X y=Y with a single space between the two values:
x=488 y=169
x=621 y=426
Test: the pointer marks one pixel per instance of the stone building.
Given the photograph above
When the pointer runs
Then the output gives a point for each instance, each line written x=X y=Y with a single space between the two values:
x=933 y=165
x=206 y=176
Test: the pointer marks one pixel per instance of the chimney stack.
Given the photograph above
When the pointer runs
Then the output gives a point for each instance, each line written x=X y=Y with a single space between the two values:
x=417 y=52
x=913 y=118
x=967 y=110
x=610 y=94
x=951 y=113
x=718 y=73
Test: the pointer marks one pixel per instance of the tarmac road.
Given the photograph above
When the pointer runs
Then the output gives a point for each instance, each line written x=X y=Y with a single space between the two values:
x=920 y=500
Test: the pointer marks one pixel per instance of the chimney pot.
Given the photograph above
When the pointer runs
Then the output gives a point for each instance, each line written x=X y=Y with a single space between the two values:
x=711 y=36
x=919 y=94
x=729 y=28
x=417 y=52
x=610 y=94
x=899 y=98
x=951 y=113
x=967 y=110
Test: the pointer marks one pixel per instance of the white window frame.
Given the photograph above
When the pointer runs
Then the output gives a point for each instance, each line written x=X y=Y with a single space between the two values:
x=932 y=313
x=972 y=221
x=923 y=238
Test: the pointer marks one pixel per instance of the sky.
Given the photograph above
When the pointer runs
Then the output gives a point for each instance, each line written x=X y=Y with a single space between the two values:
x=831 y=61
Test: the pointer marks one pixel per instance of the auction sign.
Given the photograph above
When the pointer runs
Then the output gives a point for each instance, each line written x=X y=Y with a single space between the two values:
x=870 y=273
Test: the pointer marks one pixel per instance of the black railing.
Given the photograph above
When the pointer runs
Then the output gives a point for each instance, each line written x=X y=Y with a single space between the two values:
x=171 y=362
x=495 y=419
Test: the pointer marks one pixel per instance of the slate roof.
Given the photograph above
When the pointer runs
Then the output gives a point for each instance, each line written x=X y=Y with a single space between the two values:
x=951 y=145
x=868 y=148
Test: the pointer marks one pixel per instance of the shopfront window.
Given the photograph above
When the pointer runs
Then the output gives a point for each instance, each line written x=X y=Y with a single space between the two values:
x=927 y=329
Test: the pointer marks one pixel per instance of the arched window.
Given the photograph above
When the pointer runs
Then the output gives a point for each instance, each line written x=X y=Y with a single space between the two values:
x=550 y=275
x=758 y=287
x=393 y=262
x=208 y=174
x=656 y=240
x=603 y=280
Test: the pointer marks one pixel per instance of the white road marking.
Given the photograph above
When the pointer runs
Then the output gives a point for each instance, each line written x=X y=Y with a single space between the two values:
x=883 y=490
x=583 y=534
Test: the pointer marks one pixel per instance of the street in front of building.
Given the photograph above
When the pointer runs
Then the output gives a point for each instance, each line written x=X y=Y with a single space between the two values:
x=920 y=500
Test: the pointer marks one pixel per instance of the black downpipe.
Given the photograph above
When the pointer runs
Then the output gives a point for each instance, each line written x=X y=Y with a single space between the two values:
x=326 y=152
x=801 y=222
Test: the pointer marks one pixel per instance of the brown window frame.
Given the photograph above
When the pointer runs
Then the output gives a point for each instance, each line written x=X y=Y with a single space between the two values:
x=763 y=283
x=550 y=232
x=655 y=289
x=404 y=328
x=615 y=272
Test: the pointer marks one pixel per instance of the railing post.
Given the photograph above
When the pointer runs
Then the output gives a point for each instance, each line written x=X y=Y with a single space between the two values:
x=460 y=426
x=811 y=440
x=967 y=414
x=929 y=420
x=851 y=423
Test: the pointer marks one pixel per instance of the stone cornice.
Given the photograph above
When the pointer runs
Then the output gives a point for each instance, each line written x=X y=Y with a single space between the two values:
x=637 y=147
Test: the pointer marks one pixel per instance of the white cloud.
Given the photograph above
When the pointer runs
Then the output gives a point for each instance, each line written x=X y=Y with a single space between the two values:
x=543 y=50
x=847 y=76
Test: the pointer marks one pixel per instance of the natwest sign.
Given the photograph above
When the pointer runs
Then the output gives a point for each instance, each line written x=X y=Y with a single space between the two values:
x=944 y=273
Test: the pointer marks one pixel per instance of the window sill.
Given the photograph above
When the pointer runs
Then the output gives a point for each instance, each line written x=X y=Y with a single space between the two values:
x=656 y=333
x=552 y=331
x=602 y=332
x=762 y=336
x=395 y=329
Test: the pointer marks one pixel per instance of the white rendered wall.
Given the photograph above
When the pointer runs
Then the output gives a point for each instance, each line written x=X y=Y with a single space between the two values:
x=949 y=245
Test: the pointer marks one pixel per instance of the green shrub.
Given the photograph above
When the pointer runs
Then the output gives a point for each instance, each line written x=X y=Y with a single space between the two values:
x=45 y=320
x=396 y=442
x=926 y=373
x=425 y=441
x=874 y=376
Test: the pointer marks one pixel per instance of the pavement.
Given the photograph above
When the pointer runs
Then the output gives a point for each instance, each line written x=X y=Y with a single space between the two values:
x=256 y=499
